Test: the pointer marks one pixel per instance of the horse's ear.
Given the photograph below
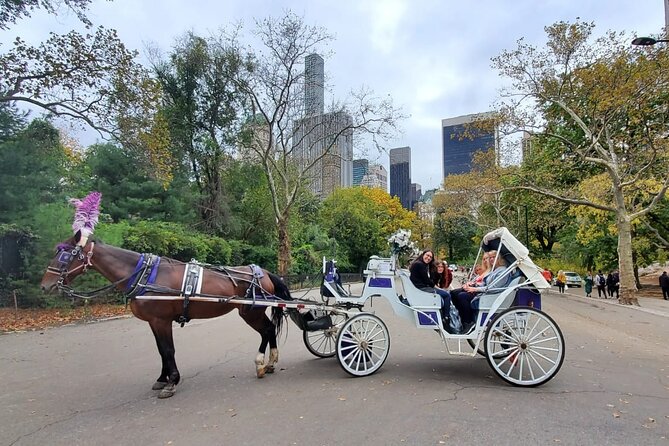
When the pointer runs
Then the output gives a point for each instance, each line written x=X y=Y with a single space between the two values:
x=77 y=237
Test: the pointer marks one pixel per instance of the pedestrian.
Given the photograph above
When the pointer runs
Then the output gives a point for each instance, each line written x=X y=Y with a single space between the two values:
x=616 y=283
x=600 y=282
x=664 y=284
x=561 y=281
x=588 y=284
x=610 y=284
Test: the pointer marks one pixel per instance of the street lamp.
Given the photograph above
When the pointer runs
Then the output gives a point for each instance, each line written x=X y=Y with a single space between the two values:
x=647 y=41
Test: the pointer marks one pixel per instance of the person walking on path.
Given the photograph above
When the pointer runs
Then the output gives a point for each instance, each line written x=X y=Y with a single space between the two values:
x=588 y=284
x=616 y=283
x=600 y=281
x=664 y=284
x=610 y=285
x=560 y=281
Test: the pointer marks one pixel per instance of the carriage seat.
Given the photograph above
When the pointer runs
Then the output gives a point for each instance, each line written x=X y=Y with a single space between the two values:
x=485 y=301
x=415 y=296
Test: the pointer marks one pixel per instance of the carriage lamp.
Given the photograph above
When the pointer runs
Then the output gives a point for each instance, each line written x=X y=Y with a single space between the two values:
x=647 y=41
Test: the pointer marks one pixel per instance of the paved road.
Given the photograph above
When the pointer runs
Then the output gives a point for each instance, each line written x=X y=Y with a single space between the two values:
x=91 y=385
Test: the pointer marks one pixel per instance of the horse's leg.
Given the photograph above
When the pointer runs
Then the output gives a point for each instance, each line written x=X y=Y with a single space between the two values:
x=162 y=330
x=257 y=320
x=270 y=331
x=161 y=382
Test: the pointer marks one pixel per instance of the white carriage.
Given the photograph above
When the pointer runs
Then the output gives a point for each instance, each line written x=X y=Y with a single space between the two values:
x=522 y=344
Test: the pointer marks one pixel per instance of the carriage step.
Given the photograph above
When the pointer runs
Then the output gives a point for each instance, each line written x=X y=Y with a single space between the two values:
x=319 y=324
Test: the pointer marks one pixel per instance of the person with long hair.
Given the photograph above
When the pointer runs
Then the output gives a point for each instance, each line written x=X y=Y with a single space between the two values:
x=423 y=274
x=444 y=275
x=561 y=281
x=493 y=268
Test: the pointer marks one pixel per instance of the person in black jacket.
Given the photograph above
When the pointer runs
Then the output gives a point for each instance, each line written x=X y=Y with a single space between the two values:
x=664 y=284
x=610 y=284
x=423 y=274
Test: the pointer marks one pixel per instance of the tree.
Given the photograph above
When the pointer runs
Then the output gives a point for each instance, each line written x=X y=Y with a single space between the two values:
x=281 y=136
x=360 y=220
x=203 y=106
x=613 y=101
x=13 y=10
x=32 y=166
x=129 y=192
x=92 y=77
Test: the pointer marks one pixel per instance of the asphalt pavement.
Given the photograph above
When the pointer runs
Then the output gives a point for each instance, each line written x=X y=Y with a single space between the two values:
x=90 y=384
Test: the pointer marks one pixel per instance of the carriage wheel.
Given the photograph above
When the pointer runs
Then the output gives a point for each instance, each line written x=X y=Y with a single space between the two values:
x=363 y=344
x=524 y=346
x=323 y=343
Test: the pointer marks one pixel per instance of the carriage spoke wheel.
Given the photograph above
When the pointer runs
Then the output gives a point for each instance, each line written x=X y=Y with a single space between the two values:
x=363 y=344
x=524 y=346
x=323 y=343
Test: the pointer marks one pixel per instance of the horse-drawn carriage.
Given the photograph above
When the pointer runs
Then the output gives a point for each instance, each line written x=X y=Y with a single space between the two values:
x=522 y=344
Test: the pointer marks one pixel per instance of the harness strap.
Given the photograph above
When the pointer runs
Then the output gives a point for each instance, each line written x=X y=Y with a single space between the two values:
x=191 y=286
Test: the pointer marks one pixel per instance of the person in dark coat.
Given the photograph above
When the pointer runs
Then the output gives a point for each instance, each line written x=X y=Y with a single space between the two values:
x=664 y=284
x=616 y=283
x=423 y=273
x=610 y=285
x=588 y=284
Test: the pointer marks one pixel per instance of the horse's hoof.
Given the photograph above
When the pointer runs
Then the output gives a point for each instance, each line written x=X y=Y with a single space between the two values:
x=260 y=373
x=158 y=385
x=168 y=391
x=269 y=369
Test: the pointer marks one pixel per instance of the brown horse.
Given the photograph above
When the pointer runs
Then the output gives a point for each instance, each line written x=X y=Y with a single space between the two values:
x=156 y=288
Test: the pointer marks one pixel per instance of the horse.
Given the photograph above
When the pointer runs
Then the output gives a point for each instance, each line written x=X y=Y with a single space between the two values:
x=176 y=299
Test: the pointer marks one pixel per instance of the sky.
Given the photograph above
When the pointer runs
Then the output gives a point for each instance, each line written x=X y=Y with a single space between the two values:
x=431 y=56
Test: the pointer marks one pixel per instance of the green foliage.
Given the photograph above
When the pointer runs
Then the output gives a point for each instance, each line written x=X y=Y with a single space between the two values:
x=454 y=239
x=202 y=105
x=245 y=254
x=176 y=241
x=128 y=192
x=32 y=165
x=249 y=203
x=348 y=217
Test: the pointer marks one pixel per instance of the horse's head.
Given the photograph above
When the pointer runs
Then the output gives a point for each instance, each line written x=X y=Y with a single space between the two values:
x=73 y=257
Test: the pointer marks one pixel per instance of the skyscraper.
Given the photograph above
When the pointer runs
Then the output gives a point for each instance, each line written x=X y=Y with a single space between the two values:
x=400 y=175
x=314 y=85
x=416 y=194
x=321 y=140
x=460 y=142
x=360 y=169
x=369 y=174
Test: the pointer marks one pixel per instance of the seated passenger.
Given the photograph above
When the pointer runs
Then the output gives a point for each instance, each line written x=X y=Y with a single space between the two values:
x=422 y=273
x=444 y=276
x=462 y=298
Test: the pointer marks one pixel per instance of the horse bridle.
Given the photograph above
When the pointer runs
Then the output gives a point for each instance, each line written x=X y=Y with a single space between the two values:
x=65 y=259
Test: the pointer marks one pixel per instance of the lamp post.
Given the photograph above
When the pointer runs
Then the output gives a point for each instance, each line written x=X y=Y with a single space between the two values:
x=647 y=41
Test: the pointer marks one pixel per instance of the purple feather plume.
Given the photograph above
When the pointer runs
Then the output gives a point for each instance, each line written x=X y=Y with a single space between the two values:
x=86 y=214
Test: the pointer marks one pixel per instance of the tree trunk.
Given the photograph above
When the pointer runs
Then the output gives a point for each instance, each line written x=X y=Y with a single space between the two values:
x=284 y=247
x=628 y=287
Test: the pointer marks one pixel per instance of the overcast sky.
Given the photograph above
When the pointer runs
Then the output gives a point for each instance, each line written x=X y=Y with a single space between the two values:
x=431 y=56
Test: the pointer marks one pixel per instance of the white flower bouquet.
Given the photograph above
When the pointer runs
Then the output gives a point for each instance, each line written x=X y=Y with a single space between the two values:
x=400 y=243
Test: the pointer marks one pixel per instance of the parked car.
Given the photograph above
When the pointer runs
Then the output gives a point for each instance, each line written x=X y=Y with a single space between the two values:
x=573 y=279
x=453 y=267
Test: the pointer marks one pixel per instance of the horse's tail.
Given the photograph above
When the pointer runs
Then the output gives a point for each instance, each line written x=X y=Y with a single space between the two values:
x=282 y=292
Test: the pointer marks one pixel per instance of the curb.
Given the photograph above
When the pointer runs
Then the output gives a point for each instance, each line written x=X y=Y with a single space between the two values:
x=615 y=303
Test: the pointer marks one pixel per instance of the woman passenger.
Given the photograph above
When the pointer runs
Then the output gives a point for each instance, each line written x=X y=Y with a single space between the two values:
x=423 y=274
